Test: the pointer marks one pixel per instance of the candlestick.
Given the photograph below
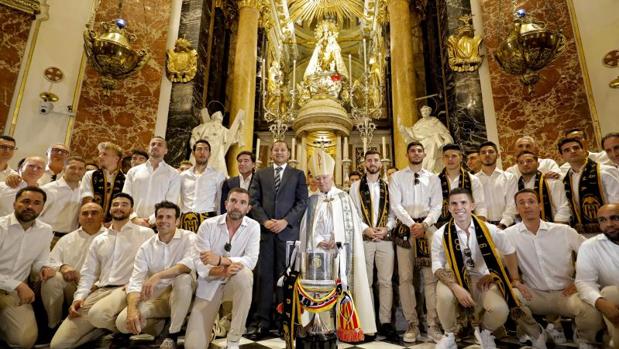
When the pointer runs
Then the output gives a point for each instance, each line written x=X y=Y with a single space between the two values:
x=345 y=148
x=350 y=71
x=384 y=147
x=263 y=78
x=294 y=73
x=258 y=148
x=294 y=148
x=365 y=57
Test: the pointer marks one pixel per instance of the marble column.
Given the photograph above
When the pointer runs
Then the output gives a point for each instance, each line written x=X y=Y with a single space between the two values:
x=244 y=75
x=402 y=72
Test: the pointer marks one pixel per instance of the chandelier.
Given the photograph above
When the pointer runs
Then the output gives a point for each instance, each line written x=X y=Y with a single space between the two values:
x=528 y=48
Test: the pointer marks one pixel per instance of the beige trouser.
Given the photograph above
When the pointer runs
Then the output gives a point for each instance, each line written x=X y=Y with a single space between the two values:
x=490 y=304
x=56 y=293
x=406 y=268
x=612 y=294
x=98 y=312
x=18 y=327
x=588 y=319
x=173 y=302
x=381 y=253
x=200 y=324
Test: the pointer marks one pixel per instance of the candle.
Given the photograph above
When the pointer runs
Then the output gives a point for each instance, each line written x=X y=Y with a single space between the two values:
x=294 y=148
x=294 y=73
x=257 y=148
x=350 y=70
x=365 y=57
x=384 y=148
x=345 y=148
x=365 y=145
x=263 y=74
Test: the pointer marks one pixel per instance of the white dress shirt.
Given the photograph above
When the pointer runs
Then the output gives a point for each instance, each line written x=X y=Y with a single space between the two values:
x=47 y=176
x=72 y=248
x=374 y=187
x=6 y=172
x=201 y=193
x=110 y=258
x=7 y=197
x=155 y=256
x=149 y=187
x=409 y=200
x=545 y=258
x=600 y=157
x=439 y=259
x=213 y=236
x=478 y=193
x=245 y=182
x=596 y=267
x=610 y=183
x=561 y=211
x=543 y=165
x=86 y=186
x=499 y=190
x=62 y=206
x=22 y=251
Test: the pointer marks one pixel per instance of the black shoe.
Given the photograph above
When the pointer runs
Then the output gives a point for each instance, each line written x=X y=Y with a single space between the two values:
x=388 y=331
x=260 y=334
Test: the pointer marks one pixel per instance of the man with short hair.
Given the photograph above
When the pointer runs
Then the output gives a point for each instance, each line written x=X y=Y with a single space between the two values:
x=184 y=166
x=138 y=157
x=499 y=187
x=200 y=188
x=554 y=203
x=30 y=172
x=468 y=258
x=24 y=247
x=544 y=251
x=371 y=198
x=473 y=161
x=353 y=177
x=246 y=162
x=100 y=294
x=279 y=199
x=227 y=248
x=103 y=184
x=415 y=198
x=152 y=182
x=7 y=150
x=68 y=257
x=580 y=135
x=588 y=185
x=63 y=199
x=161 y=285
x=545 y=166
x=57 y=155
x=597 y=271
x=610 y=144
x=454 y=176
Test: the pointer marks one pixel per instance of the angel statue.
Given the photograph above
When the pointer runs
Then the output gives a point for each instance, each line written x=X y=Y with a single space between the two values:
x=220 y=137
x=430 y=132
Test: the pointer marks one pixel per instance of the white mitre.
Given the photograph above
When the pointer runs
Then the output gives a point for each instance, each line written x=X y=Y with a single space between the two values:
x=321 y=164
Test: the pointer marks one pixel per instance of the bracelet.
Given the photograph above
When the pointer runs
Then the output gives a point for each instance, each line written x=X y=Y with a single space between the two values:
x=219 y=263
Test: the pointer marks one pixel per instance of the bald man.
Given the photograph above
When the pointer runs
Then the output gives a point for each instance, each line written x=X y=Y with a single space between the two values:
x=527 y=143
x=30 y=172
x=597 y=270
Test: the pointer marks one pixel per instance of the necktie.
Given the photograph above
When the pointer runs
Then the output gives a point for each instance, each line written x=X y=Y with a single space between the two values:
x=278 y=180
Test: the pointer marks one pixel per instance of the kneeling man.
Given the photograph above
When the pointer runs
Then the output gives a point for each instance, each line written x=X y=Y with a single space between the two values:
x=161 y=285
x=226 y=251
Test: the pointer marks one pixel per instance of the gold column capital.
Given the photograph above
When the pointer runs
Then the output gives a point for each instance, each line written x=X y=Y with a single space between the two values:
x=249 y=3
x=32 y=7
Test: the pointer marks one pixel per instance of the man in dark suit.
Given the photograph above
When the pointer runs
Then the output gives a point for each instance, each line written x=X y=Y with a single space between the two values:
x=279 y=199
x=246 y=162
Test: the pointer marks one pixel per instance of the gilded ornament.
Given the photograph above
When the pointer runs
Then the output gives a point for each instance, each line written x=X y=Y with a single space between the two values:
x=611 y=60
x=463 y=47
x=182 y=61
x=32 y=7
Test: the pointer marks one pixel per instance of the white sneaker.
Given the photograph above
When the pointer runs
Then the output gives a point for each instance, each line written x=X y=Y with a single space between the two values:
x=435 y=333
x=485 y=339
x=168 y=343
x=448 y=341
x=540 y=341
x=556 y=334
x=232 y=345
x=411 y=334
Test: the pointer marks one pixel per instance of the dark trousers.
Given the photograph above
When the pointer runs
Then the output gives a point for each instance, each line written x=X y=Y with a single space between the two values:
x=271 y=266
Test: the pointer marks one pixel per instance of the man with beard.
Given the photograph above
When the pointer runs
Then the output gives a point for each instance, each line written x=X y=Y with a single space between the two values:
x=371 y=198
x=499 y=187
x=103 y=184
x=580 y=135
x=548 y=167
x=24 y=247
x=138 y=157
x=161 y=285
x=455 y=176
x=68 y=257
x=227 y=249
x=588 y=185
x=597 y=270
x=30 y=172
x=610 y=143
x=415 y=199
x=554 y=205
x=63 y=199
x=100 y=294
x=152 y=182
x=279 y=199
x=200 y=189
x=246 y=162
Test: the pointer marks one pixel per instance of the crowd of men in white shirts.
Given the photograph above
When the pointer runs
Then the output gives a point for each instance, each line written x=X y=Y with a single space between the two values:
x=131 y=248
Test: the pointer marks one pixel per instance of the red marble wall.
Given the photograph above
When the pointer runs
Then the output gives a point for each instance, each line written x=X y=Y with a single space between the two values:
x=14 y=30
x=128 y=114
x=559 y=101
